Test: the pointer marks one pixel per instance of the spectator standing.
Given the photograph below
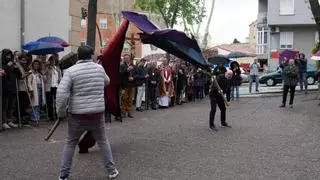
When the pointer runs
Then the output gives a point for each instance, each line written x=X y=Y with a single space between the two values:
x=53 y=77
x=127 y=85
x=36 y=88
x=140 y=76
x=254 y=75
x=199 y=84
x=290 y=74
x=153 y=82
x=24 y=101
x=9 y=88
x=303 y=64
x=235 y=81
x=181 y=85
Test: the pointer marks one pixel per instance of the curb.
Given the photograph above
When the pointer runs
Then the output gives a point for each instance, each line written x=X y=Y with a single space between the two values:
x=274 y=94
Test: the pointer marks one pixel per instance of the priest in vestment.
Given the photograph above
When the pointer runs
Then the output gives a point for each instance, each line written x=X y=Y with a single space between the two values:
x=166 y=86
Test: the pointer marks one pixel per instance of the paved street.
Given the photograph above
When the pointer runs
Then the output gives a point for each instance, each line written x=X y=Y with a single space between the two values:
x=265 y=143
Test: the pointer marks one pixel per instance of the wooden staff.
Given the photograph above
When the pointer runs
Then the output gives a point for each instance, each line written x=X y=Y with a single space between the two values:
x=216 y=84
x=53 y=129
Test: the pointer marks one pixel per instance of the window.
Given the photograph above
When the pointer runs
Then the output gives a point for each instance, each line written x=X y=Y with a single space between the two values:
x=83 y=23
x=104 y=43
x=317 y=36
x=103 y=23
x=126 y=47
x=286 y=7
x=286 y=40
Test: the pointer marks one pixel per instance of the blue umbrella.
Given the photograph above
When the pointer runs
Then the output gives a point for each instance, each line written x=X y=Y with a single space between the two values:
x=54 y=40
x=41 y=48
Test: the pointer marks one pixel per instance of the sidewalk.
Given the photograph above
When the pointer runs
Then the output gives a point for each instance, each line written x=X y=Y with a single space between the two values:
x=266 y=91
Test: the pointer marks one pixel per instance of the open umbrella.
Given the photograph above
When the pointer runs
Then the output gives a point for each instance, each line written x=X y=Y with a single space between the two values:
x=54 y=40
x=238 y=55
x=316 y=57
x=42 y=48
x=219 y=59
x=286 y=55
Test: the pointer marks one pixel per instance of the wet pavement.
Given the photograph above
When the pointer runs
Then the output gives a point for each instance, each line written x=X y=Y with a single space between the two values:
x=265 y=143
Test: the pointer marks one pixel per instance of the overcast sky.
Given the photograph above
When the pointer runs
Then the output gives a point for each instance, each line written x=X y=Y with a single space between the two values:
x=231 y=19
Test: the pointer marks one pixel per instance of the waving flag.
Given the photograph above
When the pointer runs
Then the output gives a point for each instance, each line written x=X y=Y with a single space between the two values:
x=110 y=60
x=170 y=40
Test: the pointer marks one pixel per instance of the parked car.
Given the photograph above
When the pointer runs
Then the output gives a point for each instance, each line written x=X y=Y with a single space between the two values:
x=244 y=75
x=275 y=77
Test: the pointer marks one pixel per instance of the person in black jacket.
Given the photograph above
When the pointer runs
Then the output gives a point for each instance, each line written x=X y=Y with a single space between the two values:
x=127 y=85
x=217 y=99
x=140 y=76
x=153 y=82
x=9 y=88
x=302 y=63
x=224 y=83
x=181 y=84
x=235 y=80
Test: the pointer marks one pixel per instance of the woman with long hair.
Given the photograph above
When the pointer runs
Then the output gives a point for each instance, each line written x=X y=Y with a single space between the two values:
x=235 y=80
x=36 y=89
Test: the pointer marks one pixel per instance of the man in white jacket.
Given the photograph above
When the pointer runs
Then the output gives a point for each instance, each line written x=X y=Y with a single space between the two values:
x=82 y=88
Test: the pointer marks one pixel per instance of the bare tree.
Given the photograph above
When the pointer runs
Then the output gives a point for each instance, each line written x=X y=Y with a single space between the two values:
x=205 y=38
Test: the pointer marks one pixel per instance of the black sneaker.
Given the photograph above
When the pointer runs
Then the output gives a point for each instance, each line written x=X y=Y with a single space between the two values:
x=226 y=125
x=63 y=178
x=282 y=106
x=213 y=128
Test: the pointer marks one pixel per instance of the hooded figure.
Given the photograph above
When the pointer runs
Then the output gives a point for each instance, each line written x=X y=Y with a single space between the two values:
x=9 y=87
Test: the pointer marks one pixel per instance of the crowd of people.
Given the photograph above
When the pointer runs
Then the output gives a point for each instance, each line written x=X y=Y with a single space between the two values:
x=29 y=86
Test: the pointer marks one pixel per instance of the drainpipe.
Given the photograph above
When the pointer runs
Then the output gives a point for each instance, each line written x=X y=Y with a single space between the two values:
x=22 y=28
x=1 y=128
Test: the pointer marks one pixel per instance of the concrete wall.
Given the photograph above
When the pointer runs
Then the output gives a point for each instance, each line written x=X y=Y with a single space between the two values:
x=302 y=14
x=47 y=18
x=304 y=40
x=10 y=24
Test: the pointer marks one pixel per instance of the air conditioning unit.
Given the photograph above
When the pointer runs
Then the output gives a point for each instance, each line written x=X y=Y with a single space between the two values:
x=275 y=30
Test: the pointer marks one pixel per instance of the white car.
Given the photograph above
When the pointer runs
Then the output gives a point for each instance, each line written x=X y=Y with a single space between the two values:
x=244 y=75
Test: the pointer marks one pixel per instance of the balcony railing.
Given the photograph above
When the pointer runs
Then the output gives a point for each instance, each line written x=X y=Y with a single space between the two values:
x=262 y=49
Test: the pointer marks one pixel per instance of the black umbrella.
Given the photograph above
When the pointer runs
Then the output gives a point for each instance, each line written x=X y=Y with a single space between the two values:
x=219 y=59
x=238 y=55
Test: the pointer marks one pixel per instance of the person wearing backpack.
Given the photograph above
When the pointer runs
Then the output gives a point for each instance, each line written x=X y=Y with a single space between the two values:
x=82 y=88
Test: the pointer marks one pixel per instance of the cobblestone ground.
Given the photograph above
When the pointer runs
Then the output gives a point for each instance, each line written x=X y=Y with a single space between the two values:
x=265 y=143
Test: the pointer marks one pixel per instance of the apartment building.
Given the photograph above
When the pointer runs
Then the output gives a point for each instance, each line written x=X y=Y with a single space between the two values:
x=284 y=24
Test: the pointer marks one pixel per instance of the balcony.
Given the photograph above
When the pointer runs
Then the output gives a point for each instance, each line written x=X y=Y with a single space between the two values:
x=262 y=19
